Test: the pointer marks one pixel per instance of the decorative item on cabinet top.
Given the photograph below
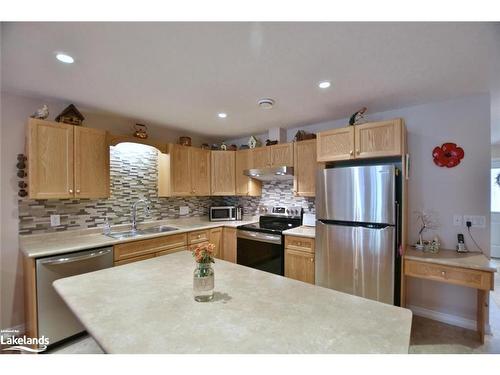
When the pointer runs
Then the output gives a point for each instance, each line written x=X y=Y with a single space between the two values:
x=41 y=113
x=185 y=141
x=71 y=116
x=358 y=117
x=302 y=135
x=140 y=131
x=271 y=143
x=253 y=142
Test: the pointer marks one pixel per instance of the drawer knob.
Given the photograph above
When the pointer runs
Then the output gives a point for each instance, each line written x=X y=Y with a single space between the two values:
x=351 y=152
x=71 y=191
x=312 y=260
x=443 y=273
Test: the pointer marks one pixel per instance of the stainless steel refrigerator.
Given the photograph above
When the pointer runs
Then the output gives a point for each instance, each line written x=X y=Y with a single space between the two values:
x=357 y=230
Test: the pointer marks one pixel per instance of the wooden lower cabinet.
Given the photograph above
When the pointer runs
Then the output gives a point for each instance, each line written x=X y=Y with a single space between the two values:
x=299 y=258
x=229 y=244
x=137 y=249
x=216 y=239
x=134 y=259
x=170 y=251
x=198 y=236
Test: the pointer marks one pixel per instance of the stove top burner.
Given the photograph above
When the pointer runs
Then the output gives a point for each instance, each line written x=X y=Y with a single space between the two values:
x=278 y=220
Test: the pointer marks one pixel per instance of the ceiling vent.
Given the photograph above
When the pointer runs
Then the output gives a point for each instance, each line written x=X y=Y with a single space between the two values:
x=266 y=103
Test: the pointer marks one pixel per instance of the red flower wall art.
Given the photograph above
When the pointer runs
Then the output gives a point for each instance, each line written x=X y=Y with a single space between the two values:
x=448 y=155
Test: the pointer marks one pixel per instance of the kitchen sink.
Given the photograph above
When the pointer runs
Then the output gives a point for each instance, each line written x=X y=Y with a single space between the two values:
x=141 y=232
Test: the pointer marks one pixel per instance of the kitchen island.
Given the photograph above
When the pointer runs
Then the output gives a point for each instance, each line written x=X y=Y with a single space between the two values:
x=148 y=307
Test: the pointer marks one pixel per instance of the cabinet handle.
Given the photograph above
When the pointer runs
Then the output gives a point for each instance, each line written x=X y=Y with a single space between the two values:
x=351 y=152
x=77 y=191
x=443 y=273
x=71 y=191
x=357 y=152
x=312 y=260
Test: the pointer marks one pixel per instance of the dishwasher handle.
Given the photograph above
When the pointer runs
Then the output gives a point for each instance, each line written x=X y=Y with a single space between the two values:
x=77 y=258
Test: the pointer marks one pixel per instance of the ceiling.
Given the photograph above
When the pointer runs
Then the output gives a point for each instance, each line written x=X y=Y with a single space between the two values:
x=181 y=75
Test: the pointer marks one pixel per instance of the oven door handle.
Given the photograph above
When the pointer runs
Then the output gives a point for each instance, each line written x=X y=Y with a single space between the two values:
x=258 y=236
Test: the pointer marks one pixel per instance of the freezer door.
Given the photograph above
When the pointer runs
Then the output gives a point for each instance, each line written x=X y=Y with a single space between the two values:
x=335 y=251
x=374 y=264
x=357 y=194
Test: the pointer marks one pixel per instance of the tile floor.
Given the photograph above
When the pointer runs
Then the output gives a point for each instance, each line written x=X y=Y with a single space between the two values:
x=428 y=336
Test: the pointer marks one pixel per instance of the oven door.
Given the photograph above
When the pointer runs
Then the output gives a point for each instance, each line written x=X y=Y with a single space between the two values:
x=262 y=251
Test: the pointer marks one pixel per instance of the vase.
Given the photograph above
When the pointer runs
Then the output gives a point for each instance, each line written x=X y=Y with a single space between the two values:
x=203 y=282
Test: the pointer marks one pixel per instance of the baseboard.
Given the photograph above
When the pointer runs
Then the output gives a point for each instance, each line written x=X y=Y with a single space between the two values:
x=446 y=318
x=13 y=331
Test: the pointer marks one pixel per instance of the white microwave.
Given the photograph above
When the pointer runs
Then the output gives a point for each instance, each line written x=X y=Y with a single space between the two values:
x=223 y=213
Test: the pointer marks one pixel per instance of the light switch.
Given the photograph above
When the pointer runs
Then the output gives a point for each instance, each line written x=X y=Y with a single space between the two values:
x=183 y=210
x=55 y=220
x=457 y=220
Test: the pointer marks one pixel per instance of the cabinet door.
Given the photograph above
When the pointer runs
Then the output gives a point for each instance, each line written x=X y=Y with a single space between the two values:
x=229 y=244
x=246 y=185
x=299 y=265
x=91 y=163
x=223 y=173
x=336 y=144
x=261 y=157
x=50 y=160
x=200 y=171
x=282 y=155
x=180 y=170
x=379 y=139
x=305 y=168
x=216 y=239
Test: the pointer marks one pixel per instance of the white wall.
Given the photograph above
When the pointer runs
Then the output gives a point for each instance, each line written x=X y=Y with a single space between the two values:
x=460 y=190
x=15 y=110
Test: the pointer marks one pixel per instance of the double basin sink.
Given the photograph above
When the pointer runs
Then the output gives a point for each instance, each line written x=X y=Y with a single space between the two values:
x=141 y=232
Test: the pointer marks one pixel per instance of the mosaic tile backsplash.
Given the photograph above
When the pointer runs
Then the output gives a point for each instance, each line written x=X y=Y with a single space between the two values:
x=134 y=175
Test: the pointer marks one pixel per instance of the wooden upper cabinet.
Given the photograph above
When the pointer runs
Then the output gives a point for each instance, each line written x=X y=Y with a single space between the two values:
x=376 y=139
x=244 y=184
x=335 y=144
x=91 y=163
x=180 y=170
x=200 y=171
x=261 y=157
x=305 y=168
x=50 y=160
x=223 y=172
x=282 y=154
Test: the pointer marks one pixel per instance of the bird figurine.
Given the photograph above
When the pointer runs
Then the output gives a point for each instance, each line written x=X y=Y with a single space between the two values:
x=357 y=117
x=41 y=113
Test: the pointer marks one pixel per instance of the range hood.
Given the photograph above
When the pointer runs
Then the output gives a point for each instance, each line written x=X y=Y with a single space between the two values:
x=270 y=174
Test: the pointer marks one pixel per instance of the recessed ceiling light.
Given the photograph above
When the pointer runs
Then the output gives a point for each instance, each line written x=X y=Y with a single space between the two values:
x=62 y=57
x=222 y=115
x=324 y=84
x=266 y=103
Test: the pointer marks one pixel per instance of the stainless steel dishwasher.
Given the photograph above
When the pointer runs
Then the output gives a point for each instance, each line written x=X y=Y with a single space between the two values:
x=55 y=320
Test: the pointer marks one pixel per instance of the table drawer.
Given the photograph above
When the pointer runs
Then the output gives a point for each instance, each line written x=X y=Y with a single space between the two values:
x=198 y=236
x=299 y=243
x=452 y=275
x=137 y=248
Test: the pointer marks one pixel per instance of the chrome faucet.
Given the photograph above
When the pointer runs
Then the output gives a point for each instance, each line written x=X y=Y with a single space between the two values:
x=134 y=212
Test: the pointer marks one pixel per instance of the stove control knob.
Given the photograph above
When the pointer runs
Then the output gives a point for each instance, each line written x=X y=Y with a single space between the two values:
x=287 y=211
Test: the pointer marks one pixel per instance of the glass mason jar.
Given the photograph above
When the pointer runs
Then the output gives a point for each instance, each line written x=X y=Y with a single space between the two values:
x=203 y=282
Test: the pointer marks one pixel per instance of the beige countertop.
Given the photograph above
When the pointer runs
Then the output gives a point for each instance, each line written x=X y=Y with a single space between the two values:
x=472 y=260
x=302 y=231
x=41 y=245
x=148 y=307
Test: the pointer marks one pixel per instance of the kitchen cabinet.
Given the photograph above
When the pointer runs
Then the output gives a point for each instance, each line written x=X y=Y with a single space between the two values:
x=282 y=154
x=370 y=140
x=91 y=163
x=223 y=173
x=245 y=185
x=184 y=171
x=216 y=239
x=66 y=161
x=378 y=139
x=305 y=168
x=198 y=236
x=261 y=157
x=229 y=244
x=299 y=258
x=273 y=156
x=335 y=144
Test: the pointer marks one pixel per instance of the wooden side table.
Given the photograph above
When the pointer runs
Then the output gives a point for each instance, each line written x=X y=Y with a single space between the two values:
x=471 y=270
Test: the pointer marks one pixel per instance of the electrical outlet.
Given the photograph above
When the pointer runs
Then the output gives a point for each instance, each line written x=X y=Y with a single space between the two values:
x=183 y=210
x=476 y=221
x=55 y=220
x=457 y=220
